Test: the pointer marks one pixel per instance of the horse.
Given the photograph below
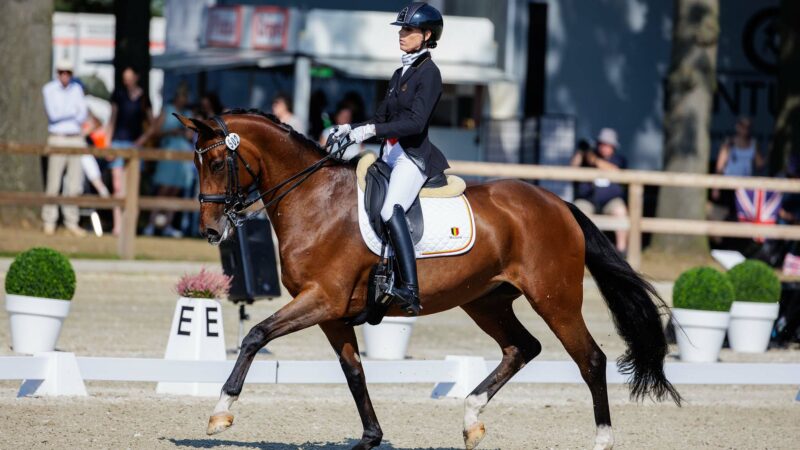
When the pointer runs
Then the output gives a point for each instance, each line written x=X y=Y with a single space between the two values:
x=530 y=244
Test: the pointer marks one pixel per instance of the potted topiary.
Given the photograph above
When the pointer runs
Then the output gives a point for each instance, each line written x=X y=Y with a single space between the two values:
x=39 y=287
x=197 y=332
x=701 y=299
x=757 y=291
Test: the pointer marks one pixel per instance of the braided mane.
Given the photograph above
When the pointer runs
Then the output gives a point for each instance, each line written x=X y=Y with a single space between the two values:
x=286 y=127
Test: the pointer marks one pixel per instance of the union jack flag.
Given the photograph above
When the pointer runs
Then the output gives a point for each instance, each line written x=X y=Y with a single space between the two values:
x=758 y=206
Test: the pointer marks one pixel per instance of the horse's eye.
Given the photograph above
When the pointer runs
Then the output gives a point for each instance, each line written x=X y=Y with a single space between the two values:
x=217 y=165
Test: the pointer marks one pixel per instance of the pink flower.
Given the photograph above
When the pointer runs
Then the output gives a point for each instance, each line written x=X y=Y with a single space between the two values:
x=205 y=284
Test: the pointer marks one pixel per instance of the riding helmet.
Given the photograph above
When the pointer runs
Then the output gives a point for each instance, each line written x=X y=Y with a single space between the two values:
x=424 y=16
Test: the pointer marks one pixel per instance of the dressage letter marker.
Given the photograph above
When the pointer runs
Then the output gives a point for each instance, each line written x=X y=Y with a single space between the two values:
x=196 y=334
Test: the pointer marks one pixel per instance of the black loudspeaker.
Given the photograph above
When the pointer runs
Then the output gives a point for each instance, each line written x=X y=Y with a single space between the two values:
x=249 y=257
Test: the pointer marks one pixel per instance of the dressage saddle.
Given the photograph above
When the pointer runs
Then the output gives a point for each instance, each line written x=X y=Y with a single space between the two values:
x=377 y=184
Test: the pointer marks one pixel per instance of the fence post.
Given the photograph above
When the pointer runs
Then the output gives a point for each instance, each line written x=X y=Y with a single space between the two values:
x=130 y=213
x=635 y=211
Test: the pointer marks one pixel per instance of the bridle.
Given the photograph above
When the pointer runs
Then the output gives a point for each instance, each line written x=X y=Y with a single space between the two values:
x=236 y=199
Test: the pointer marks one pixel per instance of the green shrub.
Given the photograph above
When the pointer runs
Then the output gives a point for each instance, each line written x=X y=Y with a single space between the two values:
x=755 y=281
x=703 y=288
x=41 y=272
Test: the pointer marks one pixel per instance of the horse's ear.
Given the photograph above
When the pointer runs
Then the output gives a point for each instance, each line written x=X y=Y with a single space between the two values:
x=193 y=124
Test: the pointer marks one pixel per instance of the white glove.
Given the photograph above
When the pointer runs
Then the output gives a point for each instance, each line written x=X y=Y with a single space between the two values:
x=341 y=131
x=362 y=133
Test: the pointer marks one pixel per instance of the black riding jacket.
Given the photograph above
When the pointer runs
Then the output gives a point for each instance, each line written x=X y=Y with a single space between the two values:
x=406 y=111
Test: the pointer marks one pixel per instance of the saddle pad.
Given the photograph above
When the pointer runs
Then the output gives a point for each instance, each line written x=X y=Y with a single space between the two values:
x=449 y=227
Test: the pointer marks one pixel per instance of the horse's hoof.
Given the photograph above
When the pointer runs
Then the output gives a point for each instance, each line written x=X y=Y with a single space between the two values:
x=219 y=422
x=474 y=435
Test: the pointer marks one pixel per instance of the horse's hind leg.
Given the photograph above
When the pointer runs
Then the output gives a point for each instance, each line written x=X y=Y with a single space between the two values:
x=561 y=310
x=344 y=343
x=495 y=316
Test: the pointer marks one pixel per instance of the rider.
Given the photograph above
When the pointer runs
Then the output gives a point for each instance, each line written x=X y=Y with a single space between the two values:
x=402 y=119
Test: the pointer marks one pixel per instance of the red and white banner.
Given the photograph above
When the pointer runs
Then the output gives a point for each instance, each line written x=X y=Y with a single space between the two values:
x=269 y=28
x=224 y=26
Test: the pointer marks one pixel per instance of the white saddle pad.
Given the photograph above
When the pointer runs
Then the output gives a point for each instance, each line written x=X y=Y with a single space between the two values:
x=449 y=227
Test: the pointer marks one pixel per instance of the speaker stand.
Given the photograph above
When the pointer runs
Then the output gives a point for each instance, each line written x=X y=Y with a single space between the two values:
x=242 y=317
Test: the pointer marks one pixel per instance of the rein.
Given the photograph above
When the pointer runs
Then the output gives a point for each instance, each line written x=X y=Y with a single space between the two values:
x=234 y=198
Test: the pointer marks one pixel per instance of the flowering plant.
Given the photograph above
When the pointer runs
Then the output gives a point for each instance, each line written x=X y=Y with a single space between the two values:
x=205 y=284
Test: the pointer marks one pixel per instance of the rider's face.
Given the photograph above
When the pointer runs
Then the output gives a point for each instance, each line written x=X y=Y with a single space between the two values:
x=411 y=38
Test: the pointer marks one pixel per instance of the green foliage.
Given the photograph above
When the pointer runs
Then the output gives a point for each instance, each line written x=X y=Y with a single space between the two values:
x=703 y=288
x=41 y=272
x=755 y=281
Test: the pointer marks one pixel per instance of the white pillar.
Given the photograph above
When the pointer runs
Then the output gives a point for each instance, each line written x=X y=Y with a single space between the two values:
x=302 y=90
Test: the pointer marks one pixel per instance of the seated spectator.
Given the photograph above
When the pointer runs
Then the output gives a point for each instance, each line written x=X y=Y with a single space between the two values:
x=342 y=116
x=602 y=195
x=282 y=109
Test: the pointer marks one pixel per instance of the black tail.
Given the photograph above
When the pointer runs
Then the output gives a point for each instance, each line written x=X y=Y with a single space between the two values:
x=631 y=301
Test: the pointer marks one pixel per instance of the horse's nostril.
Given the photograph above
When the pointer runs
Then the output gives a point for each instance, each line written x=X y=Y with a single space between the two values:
x=210 y=233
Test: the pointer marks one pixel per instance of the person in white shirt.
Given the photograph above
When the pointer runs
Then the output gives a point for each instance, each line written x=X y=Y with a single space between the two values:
x=66 y=110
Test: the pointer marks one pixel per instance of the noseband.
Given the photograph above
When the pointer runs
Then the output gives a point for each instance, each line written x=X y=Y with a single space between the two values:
x=235 y=197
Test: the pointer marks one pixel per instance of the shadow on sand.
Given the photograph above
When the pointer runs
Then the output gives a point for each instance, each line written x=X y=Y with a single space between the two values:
x=262 y=445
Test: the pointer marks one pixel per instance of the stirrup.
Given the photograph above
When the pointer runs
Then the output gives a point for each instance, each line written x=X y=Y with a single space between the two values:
x=409 y=306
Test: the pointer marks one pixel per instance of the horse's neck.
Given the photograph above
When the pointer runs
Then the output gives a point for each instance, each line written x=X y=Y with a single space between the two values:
x=312 y=199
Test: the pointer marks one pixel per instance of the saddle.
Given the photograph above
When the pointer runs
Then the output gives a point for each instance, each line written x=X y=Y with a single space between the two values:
x=373 y=178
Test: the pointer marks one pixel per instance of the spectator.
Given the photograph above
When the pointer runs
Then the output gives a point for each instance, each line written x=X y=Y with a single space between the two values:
x=343 y=115
x=738 y=156
x=172 y=177
x=210 y=106
x=282 y=108
x=66 y=110
x=602 y=195
x=95 y=137
x=130 y=114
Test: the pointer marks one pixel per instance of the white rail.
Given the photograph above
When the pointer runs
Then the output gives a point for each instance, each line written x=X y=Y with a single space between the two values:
x=59 y=373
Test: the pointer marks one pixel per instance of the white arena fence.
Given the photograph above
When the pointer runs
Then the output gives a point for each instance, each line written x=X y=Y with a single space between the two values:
x=61 y=373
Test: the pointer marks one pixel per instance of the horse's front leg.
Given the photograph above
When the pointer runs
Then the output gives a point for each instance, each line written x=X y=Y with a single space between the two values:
x=307 y=309
x=343 y=340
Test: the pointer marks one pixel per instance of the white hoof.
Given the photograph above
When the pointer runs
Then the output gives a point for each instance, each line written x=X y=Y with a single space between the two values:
x=219 y=422
x=473 y=435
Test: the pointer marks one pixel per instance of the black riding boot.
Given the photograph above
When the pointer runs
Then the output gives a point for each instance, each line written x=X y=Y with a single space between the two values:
x=406 y=287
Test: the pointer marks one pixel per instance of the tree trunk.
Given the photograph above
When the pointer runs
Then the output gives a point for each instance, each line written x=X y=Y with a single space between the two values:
x=786 y=139
x=690 y=89
x=25 y=49
x=132 y=48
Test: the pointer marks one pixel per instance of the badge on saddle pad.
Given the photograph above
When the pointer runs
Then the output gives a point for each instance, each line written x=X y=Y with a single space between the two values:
x=232 y=141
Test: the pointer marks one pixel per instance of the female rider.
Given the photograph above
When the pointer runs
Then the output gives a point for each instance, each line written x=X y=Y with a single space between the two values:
x=403 y=119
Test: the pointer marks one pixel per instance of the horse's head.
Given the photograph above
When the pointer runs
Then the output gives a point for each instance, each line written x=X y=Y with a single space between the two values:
x=228 y=164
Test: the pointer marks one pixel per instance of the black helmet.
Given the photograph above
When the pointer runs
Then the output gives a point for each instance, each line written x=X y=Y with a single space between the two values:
x=424 y=16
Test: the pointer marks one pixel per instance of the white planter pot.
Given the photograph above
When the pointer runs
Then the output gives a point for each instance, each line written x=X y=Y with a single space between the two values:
x=700 y=333
x=196 y=334
x=35 y=322
x=751 y=326
x=389 y=339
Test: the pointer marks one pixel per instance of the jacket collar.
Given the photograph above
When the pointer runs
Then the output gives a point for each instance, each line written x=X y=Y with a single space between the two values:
x=413 y=68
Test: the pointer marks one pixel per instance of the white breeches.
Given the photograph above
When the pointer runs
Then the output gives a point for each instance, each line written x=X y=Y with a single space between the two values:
x=405 y=183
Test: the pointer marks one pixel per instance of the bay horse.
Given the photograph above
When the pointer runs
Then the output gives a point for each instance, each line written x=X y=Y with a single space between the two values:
x=529 y=243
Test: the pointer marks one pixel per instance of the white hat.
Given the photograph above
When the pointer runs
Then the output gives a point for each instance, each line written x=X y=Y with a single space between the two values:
x=608 y=136
x=65 y=64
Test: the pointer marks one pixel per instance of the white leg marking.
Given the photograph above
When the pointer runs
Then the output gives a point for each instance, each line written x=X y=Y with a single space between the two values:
x=473 y=406
x=604 y=439
x=224 y=404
